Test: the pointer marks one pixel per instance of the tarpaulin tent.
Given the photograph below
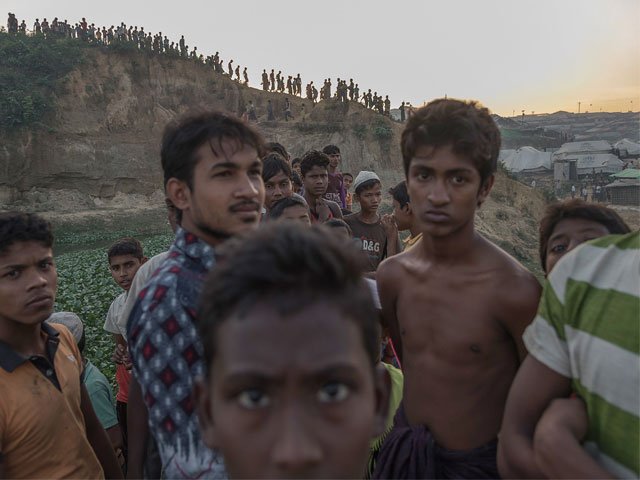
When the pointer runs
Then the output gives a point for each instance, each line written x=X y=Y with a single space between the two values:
x=526 y=159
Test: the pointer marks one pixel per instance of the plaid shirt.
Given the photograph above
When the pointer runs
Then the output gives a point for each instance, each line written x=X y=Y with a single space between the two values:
x=167 y=357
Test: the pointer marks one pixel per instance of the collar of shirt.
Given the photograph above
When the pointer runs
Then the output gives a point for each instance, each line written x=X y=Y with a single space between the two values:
x=193 y=247
x=10 y=359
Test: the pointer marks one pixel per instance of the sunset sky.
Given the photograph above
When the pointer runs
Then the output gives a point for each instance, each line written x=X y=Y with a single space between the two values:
x=538 y=55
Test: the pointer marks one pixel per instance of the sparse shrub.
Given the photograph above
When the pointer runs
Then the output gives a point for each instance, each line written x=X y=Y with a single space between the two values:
x=360 y=131
x=30 y=70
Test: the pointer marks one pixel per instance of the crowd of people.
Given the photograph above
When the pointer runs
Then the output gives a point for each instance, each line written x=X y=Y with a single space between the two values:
x=289 y=331
x=160 y=44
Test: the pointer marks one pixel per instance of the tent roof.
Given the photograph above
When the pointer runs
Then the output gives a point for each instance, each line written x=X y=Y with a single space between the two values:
x=628 y=173
x=631 y=147
x=598 y=160
x=526 y=158
x=579 y=147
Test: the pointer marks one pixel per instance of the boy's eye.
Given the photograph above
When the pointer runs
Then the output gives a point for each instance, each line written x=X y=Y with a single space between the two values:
x=12 y=274
x=333 y=392
x=268 y=186
x=559 y=248
x=458 y=180
x=253 y=398
x=46 y=266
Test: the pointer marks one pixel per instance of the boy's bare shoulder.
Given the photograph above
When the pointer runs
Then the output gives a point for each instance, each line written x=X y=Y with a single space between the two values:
x=512 y=278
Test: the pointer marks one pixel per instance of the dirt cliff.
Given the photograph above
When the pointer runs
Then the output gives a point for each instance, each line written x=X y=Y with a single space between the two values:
x=98 y=151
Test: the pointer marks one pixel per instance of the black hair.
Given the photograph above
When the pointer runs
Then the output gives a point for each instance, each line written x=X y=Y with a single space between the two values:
x=295 y=161
x=367 y=185
x=278 y=208
x=338 y=223
x=347 y=174
x=289 y=267
x=331 y=150
x=576 y=208
x=277 y=148
x=183 y=137
x=466 y=126
x=273 y=164
x=18 y=227
x=400 y=193
x=295 y=178
x=126 y=246
x=313 y=158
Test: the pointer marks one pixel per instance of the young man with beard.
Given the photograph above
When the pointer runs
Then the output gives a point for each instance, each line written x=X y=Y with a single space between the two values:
x=315 y=177
x=456 y=305
x=213 y=175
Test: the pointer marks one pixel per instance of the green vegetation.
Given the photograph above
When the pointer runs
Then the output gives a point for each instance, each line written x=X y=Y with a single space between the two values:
x=30 y=68
x=86 y=288
x=382 y=132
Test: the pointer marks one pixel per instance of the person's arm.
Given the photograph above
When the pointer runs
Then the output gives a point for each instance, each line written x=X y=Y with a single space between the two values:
x=518 y=307
x=391 y=230
x=98 y=438
x=387 y=282
x=138 y=430
x=556 y=442
x=533 y=388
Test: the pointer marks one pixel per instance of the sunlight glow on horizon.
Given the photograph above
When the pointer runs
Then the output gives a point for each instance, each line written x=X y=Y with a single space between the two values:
x=534 y=55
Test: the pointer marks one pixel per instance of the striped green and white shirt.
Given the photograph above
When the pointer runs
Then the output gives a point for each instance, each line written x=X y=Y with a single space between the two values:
x=588 y=329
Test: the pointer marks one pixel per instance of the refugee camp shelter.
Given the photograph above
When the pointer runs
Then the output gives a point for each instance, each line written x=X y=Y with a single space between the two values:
x=526 y=160
x=624 y=191
x=627 y=148
x=571 y=149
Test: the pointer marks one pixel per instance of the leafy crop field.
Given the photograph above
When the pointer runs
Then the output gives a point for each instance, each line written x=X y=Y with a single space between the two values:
x=86 y=288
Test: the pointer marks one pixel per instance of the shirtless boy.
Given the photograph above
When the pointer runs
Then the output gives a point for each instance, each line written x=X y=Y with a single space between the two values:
x=456 y=305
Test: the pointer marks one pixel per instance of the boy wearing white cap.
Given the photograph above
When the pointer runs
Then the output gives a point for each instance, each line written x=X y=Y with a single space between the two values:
x=379 y=236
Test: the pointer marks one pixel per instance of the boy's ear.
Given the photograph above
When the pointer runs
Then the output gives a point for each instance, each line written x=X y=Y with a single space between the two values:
x=143 y=260
x=485 y=189
x=382 y=388
x=179 y=193
x=407 y=208
x=205 y=413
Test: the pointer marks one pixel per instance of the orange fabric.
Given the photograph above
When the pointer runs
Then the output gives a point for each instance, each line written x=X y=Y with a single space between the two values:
x=42 y=429
x=123 y=378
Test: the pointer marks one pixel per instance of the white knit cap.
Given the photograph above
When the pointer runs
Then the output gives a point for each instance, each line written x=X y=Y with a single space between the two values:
x=364 y=176
x=69 y=320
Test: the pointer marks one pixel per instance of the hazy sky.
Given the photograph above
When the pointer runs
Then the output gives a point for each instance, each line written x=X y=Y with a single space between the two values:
x=536 y=55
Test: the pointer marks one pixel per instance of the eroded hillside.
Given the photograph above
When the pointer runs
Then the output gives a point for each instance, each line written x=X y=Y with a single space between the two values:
x=98 y=151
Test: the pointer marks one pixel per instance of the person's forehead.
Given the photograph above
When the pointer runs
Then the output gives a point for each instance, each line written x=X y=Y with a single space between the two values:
x=377 y=188
x=317 y=170
x=120 y=259
x=308 y=340
x=278 y=177
x=295 y=211
x=576 y=226
x=444 y=156
x=24 y=253
x=215 y=151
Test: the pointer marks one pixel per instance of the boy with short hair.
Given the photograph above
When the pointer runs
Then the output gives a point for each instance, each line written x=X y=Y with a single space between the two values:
x=379 y=235
x=276 y=174
x=567 y=224
x=293 y=207
x=456 y=305
x=584 y=339
x=403 y=215
x=125 y=258
x=335 y=187
x=43 y=399
x=291 y=346
x=315 y=177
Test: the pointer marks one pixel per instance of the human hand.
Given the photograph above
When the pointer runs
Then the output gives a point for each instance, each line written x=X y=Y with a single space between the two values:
x=323 y=210
x=121 y=356
x=389 y=224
